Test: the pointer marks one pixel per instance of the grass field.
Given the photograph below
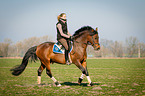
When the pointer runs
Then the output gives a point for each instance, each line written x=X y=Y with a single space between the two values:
x=110 y=77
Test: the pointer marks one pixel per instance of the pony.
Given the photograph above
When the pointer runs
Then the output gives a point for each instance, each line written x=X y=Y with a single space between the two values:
x=44 y=52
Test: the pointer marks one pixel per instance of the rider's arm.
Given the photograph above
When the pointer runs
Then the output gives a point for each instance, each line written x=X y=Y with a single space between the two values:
x=69 y=33
x=61 y=32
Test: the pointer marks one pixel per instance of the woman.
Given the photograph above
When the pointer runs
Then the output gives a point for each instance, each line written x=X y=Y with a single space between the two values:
x=63 y=36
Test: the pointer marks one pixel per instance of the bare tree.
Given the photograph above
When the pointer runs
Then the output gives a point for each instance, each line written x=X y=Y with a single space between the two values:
x=132 y=46
x=142 y=49
x=4 y=47
x=106 y=47
x=19 y=47
x=117 y=49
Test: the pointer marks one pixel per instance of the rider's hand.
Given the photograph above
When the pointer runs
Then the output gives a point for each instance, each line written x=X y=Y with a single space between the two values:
x=70 y=38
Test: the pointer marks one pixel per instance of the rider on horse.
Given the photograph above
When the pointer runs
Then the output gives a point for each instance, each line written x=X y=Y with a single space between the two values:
x=63 y=36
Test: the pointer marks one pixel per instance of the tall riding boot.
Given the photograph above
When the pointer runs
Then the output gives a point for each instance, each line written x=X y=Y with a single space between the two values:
x=67 y=58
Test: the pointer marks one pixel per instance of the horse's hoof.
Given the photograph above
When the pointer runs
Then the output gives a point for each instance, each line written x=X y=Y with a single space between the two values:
x=91 y=84
x=80 y=81
x=57 y=84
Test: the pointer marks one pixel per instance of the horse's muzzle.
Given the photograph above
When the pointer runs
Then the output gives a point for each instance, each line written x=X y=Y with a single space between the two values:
x=97 y=47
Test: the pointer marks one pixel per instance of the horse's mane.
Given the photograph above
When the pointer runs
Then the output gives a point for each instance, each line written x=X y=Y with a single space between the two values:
x=80 y=31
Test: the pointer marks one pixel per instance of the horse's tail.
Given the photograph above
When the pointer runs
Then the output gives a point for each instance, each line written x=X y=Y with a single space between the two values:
x=20 y=68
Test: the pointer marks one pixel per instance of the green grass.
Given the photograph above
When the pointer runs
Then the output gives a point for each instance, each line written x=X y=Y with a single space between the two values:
x=110 y=77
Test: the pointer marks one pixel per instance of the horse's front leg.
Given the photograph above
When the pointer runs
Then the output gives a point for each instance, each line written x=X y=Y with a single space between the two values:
x=84 y=64
x=83 y=68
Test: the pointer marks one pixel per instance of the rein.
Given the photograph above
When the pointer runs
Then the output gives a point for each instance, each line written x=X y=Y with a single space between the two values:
x=80 y=42
x=77 y=41
x=87 y=43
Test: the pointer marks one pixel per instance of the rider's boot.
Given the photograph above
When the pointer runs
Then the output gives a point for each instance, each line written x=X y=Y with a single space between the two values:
x=67 y=58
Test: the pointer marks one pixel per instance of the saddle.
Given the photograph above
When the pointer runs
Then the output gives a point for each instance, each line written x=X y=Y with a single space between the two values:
x=58 y=48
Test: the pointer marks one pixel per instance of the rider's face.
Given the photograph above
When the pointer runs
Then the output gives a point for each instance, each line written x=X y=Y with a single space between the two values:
x=64 y=16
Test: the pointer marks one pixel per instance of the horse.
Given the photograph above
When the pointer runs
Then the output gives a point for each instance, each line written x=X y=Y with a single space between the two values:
x=44 y=52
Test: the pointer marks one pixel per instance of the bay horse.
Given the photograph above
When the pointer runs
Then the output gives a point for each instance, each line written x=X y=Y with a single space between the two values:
x=81 y=39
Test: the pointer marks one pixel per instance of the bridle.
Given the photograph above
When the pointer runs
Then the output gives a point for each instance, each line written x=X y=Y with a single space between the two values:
x=87 y=42
x=94 y=42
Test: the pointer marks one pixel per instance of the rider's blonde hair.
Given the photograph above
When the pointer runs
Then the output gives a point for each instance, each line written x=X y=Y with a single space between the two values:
x=59 y=16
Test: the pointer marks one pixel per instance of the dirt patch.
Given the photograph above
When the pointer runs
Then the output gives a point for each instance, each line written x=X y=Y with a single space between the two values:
x=104 y=85
x=65 y=87
x=97 y=88
x=131 y=89
x=18 y=85
x=135 y=84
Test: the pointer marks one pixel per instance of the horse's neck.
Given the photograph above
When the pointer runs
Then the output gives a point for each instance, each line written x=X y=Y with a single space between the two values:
x=81 y=43
x=82 y=37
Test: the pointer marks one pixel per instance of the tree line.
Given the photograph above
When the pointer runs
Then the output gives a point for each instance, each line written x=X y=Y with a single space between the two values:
x=130 y=48
x=7 y=49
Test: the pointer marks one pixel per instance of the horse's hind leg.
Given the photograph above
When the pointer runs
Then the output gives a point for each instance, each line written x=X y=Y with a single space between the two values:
x=48 y=72
x=41 y=68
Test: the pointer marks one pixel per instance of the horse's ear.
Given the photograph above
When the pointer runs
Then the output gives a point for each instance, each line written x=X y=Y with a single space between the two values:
x=97 y=29
x=93 y=32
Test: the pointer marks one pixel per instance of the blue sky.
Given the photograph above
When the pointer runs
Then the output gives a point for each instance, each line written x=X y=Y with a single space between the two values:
x=115 y=19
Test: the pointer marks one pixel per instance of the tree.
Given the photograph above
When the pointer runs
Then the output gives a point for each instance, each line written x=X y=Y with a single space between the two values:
x=19 y=47
x=117 y=49
x=4 y=47
x=106 y=47
x=142 y=49
x=132 y=46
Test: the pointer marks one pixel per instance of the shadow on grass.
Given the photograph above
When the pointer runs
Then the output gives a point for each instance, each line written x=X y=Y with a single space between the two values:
x=68 y=84
x=76 y=84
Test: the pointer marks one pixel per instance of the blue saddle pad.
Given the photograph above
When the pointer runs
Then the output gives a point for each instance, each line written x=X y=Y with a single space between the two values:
x=58 y=48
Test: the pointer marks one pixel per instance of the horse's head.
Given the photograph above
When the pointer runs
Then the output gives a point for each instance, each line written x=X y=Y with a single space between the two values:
x=93 y=38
